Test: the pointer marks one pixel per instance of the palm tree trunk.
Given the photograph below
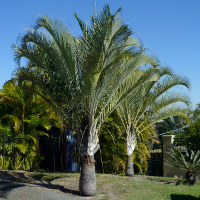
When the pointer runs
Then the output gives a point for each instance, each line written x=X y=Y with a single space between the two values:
x=87 y=184
x=129 y=166
x=131 y=144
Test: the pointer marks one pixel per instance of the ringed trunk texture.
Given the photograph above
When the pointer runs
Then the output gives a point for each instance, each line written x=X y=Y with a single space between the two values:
x=87 y=184
x=129 y=166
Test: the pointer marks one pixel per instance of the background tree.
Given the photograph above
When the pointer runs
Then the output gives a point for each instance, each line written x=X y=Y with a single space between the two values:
x=196 y=112
x=190 y=135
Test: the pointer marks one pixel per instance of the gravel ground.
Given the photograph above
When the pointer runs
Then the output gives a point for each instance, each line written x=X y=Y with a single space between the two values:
x=18 y=191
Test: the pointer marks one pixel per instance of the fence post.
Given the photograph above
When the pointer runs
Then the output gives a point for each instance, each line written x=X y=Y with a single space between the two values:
x=167 y=145
x=54 y=157
x=4 y=140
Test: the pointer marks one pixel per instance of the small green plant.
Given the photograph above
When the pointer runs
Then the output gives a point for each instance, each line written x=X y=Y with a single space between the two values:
x=4 y=164
x=188 y=161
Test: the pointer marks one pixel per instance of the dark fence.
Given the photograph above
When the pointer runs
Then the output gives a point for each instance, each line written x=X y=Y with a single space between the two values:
x=2 y=148
x=156 y=160
x=51 y=149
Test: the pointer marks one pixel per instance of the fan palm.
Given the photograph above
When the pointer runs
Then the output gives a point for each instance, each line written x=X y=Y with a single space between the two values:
x=153 y=102
x=87 y=77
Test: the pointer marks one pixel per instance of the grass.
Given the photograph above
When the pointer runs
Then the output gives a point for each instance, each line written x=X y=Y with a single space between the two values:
x=147 y=188
x=117 y=187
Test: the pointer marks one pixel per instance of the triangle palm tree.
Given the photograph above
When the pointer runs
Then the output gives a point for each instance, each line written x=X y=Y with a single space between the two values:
x=87 y=77
x=151 y=103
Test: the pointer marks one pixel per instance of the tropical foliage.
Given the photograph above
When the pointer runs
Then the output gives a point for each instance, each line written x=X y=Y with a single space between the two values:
x=111 y=157
x=24 y=116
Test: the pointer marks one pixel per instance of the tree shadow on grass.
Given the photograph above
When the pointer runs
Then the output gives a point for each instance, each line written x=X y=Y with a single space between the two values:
x=37 y=181
x=183 y=197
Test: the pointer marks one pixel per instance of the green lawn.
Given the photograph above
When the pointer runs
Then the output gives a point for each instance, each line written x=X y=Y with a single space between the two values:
x=146 y=188
x=117 y=187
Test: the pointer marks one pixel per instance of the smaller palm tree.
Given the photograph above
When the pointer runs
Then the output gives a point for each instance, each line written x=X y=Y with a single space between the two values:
x=150 y=103
x=188 y=161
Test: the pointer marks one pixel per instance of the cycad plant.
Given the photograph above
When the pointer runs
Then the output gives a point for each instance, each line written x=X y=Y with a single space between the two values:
x=188 y=161
x=87 y=77
x=151 y=103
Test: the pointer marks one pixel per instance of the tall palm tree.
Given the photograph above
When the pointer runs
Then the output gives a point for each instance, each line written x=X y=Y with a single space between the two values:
x=153 y=102
x=88 y=77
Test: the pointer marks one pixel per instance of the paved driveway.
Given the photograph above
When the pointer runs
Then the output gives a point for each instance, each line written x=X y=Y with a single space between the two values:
x=18 y=191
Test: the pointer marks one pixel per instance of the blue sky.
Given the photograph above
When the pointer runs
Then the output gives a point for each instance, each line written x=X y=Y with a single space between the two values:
x=169 y=28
